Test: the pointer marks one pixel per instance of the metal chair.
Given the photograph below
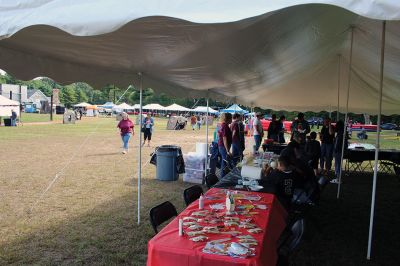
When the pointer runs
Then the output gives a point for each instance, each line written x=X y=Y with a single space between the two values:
x=162 y=213
x=211 y=180
x=191 y=194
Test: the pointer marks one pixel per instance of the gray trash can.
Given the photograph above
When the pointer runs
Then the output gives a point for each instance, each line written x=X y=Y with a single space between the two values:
x=167 y=162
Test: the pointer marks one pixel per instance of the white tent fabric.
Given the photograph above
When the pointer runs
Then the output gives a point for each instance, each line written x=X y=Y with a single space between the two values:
x=136 y=106
x=7 y=105
x=284 y=59
x=83 y=104
x=177 y=107
x=123 y=106
x=154 y=106
x=203 y=109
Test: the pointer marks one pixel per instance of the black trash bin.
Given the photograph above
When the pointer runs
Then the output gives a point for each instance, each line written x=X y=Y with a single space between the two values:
x=7 y=122
x=168 y=159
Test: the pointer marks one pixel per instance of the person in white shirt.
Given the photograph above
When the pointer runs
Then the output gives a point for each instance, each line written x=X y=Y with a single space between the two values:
x=258 y=131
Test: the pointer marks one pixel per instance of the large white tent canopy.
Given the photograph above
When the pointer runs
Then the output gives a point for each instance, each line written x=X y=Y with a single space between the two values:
x=177 y=107
x=254 y=52
x=153 y=106
x=7 y=105
x=204 y=109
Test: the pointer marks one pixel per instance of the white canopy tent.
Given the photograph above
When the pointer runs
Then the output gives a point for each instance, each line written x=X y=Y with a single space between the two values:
x=7 y=105
x=203 y=109
x=83 y=104
x=123 y=106
x=154 y=106
x=177 y=107
x=295 y=58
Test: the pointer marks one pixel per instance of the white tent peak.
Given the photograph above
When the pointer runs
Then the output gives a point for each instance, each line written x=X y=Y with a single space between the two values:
x=82 y=104
x=153 y=106
x=177 y=107
x=203 y=109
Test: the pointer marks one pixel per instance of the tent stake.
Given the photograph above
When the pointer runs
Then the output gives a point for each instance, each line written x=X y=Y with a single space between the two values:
x=347 y=111
x=140 y=143
x=378 y=139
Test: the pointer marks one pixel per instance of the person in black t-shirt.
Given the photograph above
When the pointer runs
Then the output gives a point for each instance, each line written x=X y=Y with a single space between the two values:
x=284 y=180
x=327 y=136
x=313 y=151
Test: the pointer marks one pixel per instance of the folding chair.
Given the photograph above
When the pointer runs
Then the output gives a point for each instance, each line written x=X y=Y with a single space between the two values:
x=162 y=213
x=289 y=241
x=211 y=180
x=191 y=194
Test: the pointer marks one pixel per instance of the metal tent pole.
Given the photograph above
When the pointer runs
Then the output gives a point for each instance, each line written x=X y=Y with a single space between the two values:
x=208 y=112
x=347 y=111
x=338 y=90
x=378 y=139
x=140 y=143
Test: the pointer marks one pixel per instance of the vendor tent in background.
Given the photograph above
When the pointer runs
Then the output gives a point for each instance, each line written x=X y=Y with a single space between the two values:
x=234 y=109
x=84 y=104
x=203 y=109
x=177 y=107
x=107 y=105
x=154 y=106
x=122 y=107
x=7 y=105
x=288 y=54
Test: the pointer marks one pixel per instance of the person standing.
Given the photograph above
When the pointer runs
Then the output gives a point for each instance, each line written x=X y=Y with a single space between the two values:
x=337 y=149
x=193 y=121
x=13 y=118
x=273 y=129
x=281 y=129
x=313 y=151
x=300 y=129
x=126 y=130
x=147 y=125
x=236 y=145
x=199 y=122
x=258 y=131
x=224 y=140
x=241 y=136
x=327 y=136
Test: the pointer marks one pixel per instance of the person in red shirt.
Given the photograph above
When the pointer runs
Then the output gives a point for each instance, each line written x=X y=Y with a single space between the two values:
x=225 y=140
x=126 y=130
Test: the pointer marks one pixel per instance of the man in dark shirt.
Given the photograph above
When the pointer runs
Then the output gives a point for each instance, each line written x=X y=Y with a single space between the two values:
x=13 y=118
x=273 y=129
x=236 y=145
x=313 y=151
x=327 y=136
x=300 y=129
x=224 y=140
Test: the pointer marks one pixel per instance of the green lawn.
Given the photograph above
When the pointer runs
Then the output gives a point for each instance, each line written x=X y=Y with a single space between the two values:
x=32 y=117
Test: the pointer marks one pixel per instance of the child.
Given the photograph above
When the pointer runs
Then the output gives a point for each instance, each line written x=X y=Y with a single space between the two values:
x=284 y=180
x=313 y=151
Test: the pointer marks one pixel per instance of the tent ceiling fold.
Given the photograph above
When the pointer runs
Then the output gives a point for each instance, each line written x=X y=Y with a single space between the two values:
x=258 y=54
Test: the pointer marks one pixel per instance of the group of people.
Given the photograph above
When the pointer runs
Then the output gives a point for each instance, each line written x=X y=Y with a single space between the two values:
x=231 y=139
x=195 y=121
x=276 y=130
x=126 y=128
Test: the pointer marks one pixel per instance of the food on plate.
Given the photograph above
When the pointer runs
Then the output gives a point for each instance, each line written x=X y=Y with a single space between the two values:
x=198 y=238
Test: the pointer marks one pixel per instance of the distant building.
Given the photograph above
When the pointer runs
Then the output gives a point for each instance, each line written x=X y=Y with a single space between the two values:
x=38 y=98
x=14 y=92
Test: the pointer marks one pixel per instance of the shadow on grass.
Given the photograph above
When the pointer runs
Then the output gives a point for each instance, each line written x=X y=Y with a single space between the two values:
x=109 y=234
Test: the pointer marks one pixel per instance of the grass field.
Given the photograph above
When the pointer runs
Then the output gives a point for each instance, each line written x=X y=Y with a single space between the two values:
x=34 y=118
x=89 y=214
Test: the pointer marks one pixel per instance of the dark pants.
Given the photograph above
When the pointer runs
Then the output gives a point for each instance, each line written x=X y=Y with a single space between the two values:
x=224 y=158
x=326 y=156
x=236 y=153
x=257 y=140
x=147 y=134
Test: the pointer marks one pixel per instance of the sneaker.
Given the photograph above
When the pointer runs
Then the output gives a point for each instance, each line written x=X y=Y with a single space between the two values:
x=335 y=181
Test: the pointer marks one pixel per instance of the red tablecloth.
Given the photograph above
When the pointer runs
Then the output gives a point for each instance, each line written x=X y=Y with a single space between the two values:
x=168 y=248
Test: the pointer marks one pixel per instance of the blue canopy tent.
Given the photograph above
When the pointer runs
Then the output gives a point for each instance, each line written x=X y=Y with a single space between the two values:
x=234 y=109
